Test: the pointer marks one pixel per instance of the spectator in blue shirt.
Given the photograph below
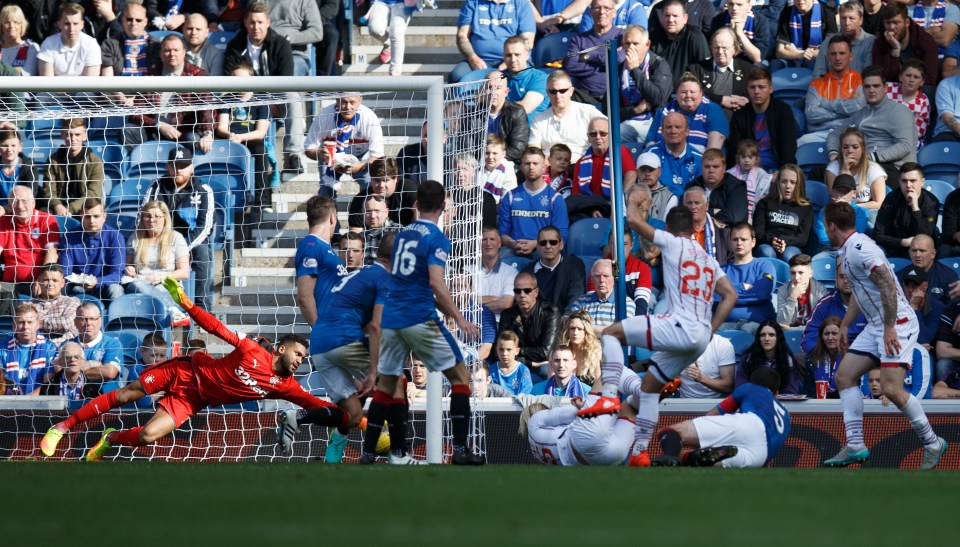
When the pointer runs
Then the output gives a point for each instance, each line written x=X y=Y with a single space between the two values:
x=706 y=121
x=563 y=383
x=482 y=28
x=680 y=162
x=752 y=278
x=103 y=353
x=531 y=206
x=527 y=84
x=27 y=355
x=844 y=189
x=93 y=256
x=628 y=12
x=587 y=69
x=508 y=372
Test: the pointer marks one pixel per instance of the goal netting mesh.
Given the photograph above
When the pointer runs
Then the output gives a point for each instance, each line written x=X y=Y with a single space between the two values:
x=251 y=281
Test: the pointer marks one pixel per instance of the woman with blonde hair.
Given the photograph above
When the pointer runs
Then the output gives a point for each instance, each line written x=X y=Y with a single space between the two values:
x=155 y=252
x=782 y=220
x=855 y=161
x=578 y=334
x=17 y=51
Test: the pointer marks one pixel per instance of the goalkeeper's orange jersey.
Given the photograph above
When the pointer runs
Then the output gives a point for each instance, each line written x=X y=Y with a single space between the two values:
x=245 y=374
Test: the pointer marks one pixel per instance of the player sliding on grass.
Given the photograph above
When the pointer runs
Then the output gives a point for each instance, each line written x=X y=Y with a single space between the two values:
x=254 y=370
x=339 y=350
x=691 y=276
x=748 y=438
x=887 y=341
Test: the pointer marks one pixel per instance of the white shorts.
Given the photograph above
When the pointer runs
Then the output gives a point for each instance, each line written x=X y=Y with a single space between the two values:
x=431 y=341
x=676 y=345
x=550 y=440
x=604 y=440
x=869 y=343
x=743 y=430
x=338 y=367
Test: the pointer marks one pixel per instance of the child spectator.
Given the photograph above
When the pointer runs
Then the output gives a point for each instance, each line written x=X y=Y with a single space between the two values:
x=195 y=346
x=558 y=169
x=869 y=176
x=844 y=189
x=152 y=350
x=498 y=175
x=73 y=174
x=509 y=372
x=248 y=125
x=748 y=169
x=784 y=218
x=909 y=93
x=15 y=167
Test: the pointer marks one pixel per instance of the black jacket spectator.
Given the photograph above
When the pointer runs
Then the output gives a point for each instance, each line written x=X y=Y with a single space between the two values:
x=538 y=334
x=562 y=285
x=895 y=221
x=700 y=14
x=191 y=208
x=514 y=129
x=400 y=204
x=111 y=52
x=704 y=72
x=730 y=198
x=950 y=246
x=276 y=56
x=763 y=38
x=780 y=123
x=784 y=220
x=655 y=88
x=687 y=48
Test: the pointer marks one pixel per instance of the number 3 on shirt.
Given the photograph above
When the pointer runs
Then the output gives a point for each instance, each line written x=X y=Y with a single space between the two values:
x=691 y=276
x=406 y=261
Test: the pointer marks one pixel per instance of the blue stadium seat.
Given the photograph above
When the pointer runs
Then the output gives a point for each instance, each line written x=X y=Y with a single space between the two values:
x=84 y=298
x=107 y=128
x=137 y=311
x=818 y=194
x=221 y=38
x=635 y=148
x=550 y=48
x=794 y=337
x=824 y=267
x=228 y=165
x=161 y=34
x=940 y=188
x=741 y=341
x=588 y=236
x=476 y=75
x=940 y=160
x=790 y=84
x=782 y=270
x=811 y=155
x=67 y=223
x=130 y=342
x=124 y=222
x=656 y=277
x=149 y=160
x=517 y=262
x=126 y=195
x=800 y=118
x=951 y=262
x=113 y=155
x=899 y=263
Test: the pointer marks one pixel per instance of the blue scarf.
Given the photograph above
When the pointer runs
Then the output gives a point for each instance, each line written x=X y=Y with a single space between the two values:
x=585 y=175
x=345 y=132
x=816 y=27
x=135 y=56
x=709 y=244
x=573 y=388
x=936 y=18
x=748 y=25
x=629 y=94
x=173 y=7
x=74 y=393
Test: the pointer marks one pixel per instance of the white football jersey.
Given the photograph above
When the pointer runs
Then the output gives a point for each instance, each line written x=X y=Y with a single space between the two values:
x=689 y=277
x=859 y=257
x=548 y=434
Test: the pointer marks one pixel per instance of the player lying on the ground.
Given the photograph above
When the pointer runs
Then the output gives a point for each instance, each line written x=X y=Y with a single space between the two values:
x=747 y=429
x=691 y=276
x=339 y=351
x=558 y=436
x=254 y=370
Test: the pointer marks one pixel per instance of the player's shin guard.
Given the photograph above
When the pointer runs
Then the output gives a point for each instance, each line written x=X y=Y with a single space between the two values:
x=376 y=415
x=918 y=419
x=852 y=400
x=460 y=416
x=647 y=416
x=127 y=437
x=397 y=415
x=98 y=406
x=329 y=416
x=670 y=442
x=611 y=368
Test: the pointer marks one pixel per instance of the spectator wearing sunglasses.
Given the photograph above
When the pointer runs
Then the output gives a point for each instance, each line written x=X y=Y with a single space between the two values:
x=560 y=277
x=565 y=121
x=535 y=321
x=593 y=175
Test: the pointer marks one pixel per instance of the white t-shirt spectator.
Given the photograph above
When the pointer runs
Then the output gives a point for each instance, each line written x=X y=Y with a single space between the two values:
x=70 y=61
x=26 y=61
x=873 y=172
x=365 y=133
x=719 y=353
x=152 y=266
x=571 y=129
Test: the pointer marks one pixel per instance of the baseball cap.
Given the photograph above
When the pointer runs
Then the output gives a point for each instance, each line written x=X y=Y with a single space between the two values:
x=915 y=274
x=648 y=159
x=180 y=154
x=844 y=183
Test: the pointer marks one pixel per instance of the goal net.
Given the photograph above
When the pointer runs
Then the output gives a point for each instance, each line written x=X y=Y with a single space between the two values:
x=256 y=220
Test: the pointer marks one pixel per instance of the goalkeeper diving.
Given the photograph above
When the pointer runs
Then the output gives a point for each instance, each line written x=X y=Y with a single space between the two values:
x=253 y=370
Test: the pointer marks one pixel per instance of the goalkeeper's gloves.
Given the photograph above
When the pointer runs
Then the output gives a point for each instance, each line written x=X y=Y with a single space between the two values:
x=176 y=292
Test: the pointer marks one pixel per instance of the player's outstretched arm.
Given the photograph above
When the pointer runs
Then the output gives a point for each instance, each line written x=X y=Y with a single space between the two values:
x=635 y=217
x=206 y=321
x=446 y=305
x=728 y=299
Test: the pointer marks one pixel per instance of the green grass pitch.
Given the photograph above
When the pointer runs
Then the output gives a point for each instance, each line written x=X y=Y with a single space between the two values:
x=183 y=505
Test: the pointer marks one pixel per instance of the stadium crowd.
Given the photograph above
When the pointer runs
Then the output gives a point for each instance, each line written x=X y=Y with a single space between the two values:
x=708 y=117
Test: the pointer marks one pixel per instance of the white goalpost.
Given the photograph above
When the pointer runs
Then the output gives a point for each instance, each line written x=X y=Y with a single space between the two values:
x=253 y=283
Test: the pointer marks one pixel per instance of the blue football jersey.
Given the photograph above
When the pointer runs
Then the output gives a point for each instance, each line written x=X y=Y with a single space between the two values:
x=351 y=308
x=760 y=401
x=317 y=258
x=417 y=246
